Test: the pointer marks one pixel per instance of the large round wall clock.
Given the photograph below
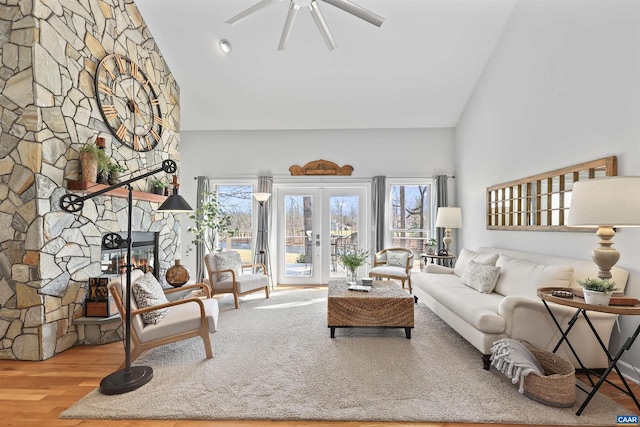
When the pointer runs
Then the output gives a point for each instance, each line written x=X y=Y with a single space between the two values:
x=129 y=103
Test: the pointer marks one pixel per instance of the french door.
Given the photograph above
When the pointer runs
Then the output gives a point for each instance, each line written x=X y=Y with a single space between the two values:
x=314 y=225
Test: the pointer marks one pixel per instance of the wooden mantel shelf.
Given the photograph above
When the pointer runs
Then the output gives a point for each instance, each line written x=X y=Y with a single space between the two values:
x=91 y=187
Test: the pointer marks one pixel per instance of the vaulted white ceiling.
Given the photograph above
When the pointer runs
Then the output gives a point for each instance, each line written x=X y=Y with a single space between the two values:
x=417 y=70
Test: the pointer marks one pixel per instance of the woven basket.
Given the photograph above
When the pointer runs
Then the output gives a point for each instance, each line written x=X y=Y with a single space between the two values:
x=558 y=386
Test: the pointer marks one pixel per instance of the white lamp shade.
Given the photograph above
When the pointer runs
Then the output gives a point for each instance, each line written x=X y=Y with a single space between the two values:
x=262 y=197
x=610 y=201
x=449 y=217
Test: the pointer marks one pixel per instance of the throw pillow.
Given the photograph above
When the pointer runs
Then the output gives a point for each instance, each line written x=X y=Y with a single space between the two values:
x=397 y=259
x=467 y=255
x=228 y=261
x=148 y=292
x=481 y=277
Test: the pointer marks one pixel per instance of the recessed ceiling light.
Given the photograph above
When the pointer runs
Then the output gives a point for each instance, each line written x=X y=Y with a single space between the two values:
x=225 y=46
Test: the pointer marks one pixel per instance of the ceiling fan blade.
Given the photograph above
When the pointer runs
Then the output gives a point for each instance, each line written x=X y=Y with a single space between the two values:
x=358 y=11
x=322 y=24
x=288 y=25
x=244 y=14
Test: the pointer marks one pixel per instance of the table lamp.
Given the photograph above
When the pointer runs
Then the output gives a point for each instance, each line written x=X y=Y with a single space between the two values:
x=605 y=203
x=448 y=218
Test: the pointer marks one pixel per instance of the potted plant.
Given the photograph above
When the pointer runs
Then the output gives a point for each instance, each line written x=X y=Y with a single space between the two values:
x=352 y=259
x=210 y=221
x=431 y=246
x=597 y=291
x=115 y=170
x=158 y=186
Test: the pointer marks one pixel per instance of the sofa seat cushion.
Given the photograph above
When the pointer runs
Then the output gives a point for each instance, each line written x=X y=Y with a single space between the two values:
x=478 y=309
x=523 y=278
x=389 y=270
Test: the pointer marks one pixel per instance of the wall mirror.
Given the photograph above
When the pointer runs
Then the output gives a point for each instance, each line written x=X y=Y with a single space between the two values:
x=541 y=202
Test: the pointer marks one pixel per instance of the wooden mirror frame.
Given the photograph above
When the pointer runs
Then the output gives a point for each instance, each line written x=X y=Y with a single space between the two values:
x=541 y=202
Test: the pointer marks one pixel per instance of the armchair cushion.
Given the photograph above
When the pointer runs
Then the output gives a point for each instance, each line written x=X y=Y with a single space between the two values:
x=227 y=261
x=397 y=259
x=148 y=292
x=244 y=283
x=386 y=270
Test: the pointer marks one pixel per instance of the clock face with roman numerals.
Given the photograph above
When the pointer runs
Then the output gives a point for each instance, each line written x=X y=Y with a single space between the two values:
x=129 y=103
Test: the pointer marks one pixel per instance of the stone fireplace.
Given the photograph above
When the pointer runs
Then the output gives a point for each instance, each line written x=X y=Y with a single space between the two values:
x=48 y=107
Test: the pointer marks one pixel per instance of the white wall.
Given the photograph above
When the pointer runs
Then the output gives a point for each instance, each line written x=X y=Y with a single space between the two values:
x=562 y=87
x=241 y=154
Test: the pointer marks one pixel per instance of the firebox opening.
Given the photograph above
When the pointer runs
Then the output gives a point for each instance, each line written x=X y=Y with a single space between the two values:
x=144 y=255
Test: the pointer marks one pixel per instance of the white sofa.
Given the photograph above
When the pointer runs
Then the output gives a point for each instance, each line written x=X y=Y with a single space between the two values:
x=513 y=309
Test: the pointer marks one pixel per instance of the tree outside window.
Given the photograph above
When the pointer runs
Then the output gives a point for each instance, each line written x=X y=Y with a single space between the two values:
x=410 y=217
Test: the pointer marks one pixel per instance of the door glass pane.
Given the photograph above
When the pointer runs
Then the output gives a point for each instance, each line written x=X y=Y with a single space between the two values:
x=298 y=236
x=344 y=212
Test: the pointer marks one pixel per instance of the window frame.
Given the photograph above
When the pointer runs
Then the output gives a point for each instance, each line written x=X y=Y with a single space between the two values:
x=429 y=226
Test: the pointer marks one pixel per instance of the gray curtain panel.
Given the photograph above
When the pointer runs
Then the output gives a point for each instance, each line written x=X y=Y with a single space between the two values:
x=379 y=192
x=261 y=252
x=202 y=187
x=441 y=191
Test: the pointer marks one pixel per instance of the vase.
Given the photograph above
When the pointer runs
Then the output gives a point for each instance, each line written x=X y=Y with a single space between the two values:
x=177 y=275
x=114 y=177
x=596 y=298
x=352 y=278
x=89 y=167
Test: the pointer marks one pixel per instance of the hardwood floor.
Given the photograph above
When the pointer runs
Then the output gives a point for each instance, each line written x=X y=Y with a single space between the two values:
x=34 y=393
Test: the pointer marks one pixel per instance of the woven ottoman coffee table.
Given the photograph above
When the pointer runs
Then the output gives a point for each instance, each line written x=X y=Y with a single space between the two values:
x=386 y=305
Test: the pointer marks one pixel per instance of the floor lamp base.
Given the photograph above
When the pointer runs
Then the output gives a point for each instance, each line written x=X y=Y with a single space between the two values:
x=121 y=382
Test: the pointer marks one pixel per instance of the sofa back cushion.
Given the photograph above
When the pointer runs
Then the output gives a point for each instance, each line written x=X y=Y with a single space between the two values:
x=523 y=278
x=467 y=255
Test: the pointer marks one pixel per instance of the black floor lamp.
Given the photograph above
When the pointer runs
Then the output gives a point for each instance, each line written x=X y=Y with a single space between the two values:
x=130 y=378
x=262 y=256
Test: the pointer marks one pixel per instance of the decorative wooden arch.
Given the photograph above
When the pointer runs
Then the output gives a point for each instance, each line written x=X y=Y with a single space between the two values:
x=321 y=167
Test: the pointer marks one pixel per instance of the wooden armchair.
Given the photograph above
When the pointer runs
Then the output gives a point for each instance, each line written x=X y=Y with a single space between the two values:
x=393 y=263
x=186 y=318
x=227 y=275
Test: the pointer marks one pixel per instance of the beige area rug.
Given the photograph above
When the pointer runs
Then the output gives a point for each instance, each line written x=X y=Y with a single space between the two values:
x=274 y=360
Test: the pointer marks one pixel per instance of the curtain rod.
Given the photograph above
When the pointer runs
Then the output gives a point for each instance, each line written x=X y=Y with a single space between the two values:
x=318 y=176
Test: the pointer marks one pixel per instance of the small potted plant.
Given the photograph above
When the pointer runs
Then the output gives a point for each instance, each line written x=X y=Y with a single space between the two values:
x=431 y=246
x=352 y=259
x=114 y=172
x=597 y=291
x=158 y=186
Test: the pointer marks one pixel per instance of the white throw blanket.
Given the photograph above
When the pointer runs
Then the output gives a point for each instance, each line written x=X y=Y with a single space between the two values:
x=514 y=360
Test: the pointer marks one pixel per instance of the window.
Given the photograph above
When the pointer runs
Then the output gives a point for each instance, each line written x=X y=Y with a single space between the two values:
x=237 y=201
x=541 y=202
x=410 y=215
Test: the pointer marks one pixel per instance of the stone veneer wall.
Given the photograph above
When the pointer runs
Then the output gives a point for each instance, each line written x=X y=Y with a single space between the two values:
x=49 y=52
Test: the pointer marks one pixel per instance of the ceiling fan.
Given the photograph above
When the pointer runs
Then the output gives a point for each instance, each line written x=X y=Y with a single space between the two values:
x=314 y=9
